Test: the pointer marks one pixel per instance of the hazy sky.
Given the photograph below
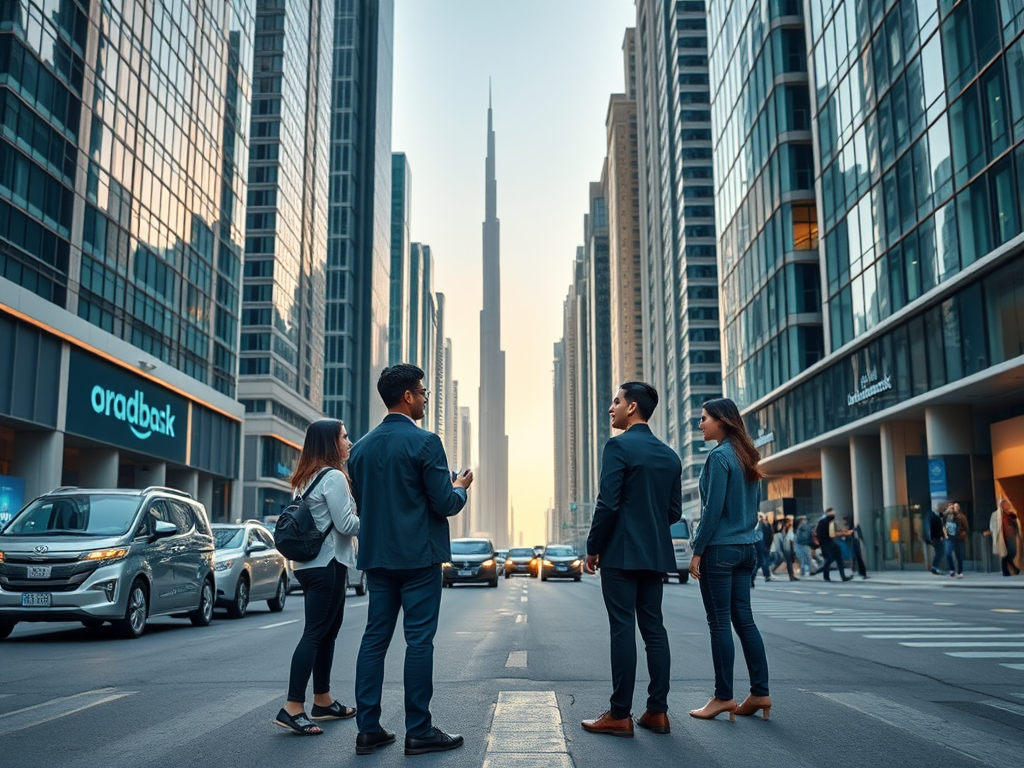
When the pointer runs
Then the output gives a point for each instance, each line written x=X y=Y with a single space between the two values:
x=553 y=65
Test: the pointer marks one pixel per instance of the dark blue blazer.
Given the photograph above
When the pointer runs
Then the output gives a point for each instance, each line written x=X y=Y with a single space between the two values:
x=641 y=496
x=403 y=491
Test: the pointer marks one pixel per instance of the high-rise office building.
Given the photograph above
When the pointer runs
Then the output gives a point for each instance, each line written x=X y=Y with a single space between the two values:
x=467 y=524
x=562 y=436
x=418 y=256
x=359 y=213
x=401 y=215
x=121 y=234
x=598 y=321
x=681 y=354
x=282 y=361
x=493 y=493
x=917 y=114
x=438 y=373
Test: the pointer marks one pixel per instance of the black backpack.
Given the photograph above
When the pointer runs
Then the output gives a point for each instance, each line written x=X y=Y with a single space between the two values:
x=295 y=534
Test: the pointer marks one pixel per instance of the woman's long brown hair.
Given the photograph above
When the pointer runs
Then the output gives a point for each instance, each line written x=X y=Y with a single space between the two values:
x=724 y=410
x=322 y=448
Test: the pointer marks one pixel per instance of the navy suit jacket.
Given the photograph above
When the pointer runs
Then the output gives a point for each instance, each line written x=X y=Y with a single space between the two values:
x=641 y=496
x=403 y=491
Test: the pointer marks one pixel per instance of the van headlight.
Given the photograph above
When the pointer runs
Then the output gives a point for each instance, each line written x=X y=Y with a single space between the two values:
x=487 y=563
x=104 y=555
x=577 y=563
x=446 y=565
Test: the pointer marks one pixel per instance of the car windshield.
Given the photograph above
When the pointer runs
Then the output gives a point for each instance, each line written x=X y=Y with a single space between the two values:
x=471 y=547
x=87 y=514
x=520 y=553
x=228 y=538
x=680 y=530
x=559 y=552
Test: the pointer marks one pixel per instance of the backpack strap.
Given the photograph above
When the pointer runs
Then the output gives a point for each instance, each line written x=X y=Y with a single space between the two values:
x=315 y=483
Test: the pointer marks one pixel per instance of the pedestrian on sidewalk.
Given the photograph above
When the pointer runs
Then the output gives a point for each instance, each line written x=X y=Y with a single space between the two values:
x=320 y=477
x=857 y=547
x=405 y=494
x=788 y=538
x=933 y=524
x=724 y=557
x=1007 y=538
x=826 y=532
x=804 y=545
x=763 y=545
x=954 y=529
x=640 y=498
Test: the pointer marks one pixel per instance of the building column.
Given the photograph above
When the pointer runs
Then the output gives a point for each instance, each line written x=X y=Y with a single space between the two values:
x=186 y=480
x=899 y=439
x=150 y=473
x=98 y=467
x=204 y=490
x=836 y=482
x=39 y=459
x=949 y=430
x=866 y=475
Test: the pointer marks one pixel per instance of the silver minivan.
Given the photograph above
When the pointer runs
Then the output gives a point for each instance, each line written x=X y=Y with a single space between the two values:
x=682 y=549
x=107 y=555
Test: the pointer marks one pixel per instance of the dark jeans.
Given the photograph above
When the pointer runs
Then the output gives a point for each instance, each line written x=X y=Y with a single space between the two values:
x=832 y=554
x=633 y=599
x=859 y=566
x=725 y=588
x=323 y=596
x=790 y=557
x=764 y=560
x=956 y=547
x=417 y=593
x=1007 y=563
x=938 y=552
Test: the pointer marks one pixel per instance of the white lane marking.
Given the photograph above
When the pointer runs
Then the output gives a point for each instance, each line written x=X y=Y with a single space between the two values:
x=1015 y=666
x=516 y=660
x=964 y=645
x=983 y=747
x=894 y=599
x=944 y=604
x=57 y=708
x=986 y=654
x=912 y=636
x=835 y=622
x=524 y=599
x=279 y=624
x=897 y=628
x=1006 y=706
x=521 y=618
x=527 y=731
x=1005 y=610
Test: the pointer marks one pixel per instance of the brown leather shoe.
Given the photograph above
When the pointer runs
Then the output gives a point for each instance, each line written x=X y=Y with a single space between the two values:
x=610 y=725
x=655 y=722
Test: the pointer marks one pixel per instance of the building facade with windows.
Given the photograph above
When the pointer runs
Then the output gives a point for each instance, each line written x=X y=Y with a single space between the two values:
x=283 y=295
x=401 y=219
x=124 y=140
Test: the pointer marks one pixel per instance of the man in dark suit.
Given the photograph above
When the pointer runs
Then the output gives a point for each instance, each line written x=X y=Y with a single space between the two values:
x=640 y=498
x=405 y=494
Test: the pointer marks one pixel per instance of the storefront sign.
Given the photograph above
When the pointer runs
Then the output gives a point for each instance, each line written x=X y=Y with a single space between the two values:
x=870 y=385
x=12 y=497
x=110 y=404
x=937 y=486
x=763 y=438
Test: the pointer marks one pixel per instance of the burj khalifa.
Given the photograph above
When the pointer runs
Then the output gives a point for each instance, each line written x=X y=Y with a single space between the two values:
x=492 y=507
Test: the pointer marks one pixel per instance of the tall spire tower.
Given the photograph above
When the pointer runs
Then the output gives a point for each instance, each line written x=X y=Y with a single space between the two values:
x=492 y=514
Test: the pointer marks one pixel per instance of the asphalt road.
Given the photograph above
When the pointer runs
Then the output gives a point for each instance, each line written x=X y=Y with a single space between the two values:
x=861 y=674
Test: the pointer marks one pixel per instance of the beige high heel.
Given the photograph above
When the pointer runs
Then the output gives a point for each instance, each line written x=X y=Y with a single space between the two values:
x=714 y=708
x=753 y=703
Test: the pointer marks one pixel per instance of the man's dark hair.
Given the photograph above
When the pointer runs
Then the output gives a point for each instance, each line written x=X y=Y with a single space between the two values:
x=644 y=395
x=396 y=380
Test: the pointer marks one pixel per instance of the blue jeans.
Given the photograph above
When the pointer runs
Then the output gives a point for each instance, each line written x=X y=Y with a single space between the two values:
x=938 y=552
x=417 y=593
x=955 y=547
x=764 y=560
x=726 y=572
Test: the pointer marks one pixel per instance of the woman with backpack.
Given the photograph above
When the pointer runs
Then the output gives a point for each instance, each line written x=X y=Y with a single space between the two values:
x=321 y=480
x=954 y=531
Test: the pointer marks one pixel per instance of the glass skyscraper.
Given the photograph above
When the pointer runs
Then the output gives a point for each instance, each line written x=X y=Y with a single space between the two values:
x=359 y=214
x=401 y=214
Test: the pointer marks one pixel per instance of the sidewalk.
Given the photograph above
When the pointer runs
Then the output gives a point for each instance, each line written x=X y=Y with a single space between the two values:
x=919 y=577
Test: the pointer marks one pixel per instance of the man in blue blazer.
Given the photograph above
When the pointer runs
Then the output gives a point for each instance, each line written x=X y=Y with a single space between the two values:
x=405 y=494
x=640 y=498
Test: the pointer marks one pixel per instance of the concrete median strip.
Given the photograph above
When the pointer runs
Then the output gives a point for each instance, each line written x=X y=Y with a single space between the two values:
x=527 y=732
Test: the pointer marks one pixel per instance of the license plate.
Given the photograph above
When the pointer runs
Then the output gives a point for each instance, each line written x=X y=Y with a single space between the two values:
x=561 y=567
x=39 y=571
x=465 y=572
x=35 y=599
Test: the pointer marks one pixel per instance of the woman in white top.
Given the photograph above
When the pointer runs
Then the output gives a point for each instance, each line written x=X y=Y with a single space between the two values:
x=322 y=578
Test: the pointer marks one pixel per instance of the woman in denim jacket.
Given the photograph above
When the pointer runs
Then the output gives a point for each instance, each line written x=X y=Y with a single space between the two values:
x=724 y=557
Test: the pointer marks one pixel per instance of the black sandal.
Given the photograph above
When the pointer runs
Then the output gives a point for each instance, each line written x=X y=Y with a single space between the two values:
x=334 y=712
x=299 y=723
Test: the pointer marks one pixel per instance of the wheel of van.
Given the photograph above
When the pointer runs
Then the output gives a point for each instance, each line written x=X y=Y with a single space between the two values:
x=6 y=627
x=361 y=586
x=240 y=604
x=508 y=575
x=276 y=603
x=543 y=578
x=203 y=615
x=136 y=613
x=684 y=576
x=494 y=583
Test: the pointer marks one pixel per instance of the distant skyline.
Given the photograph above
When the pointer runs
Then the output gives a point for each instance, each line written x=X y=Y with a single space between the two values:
x=552 y=67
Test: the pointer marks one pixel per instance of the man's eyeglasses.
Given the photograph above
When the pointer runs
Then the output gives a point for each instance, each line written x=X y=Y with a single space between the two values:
x=421 y=391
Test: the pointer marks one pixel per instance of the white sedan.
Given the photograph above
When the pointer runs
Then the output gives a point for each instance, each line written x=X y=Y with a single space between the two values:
x=247 y=567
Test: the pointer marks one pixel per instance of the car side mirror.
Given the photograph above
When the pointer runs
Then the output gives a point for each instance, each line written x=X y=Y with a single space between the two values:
x=257 y=546
x=163 y=529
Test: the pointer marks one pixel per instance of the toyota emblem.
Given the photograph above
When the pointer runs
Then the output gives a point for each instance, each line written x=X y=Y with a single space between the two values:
x=42 y=549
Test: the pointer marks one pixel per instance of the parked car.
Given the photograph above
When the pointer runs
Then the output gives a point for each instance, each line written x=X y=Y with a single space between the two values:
x=521 y=561
x=107 y=555
x=500 y=557
x=560 y=561
x=472 y=563
x=683 y=551
x=248 y=567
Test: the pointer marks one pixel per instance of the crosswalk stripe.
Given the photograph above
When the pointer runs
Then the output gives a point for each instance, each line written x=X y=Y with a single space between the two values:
x=986 y=654
x=57 y=708
x=940 y=637
x=984 y=747
x=516 y=660
x=1014 y=666
x=527 y=732
x=963 y=645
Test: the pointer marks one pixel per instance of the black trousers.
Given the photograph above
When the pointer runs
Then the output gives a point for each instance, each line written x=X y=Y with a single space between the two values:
x=323 y=594
x=633 y=599
x=832 y=554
